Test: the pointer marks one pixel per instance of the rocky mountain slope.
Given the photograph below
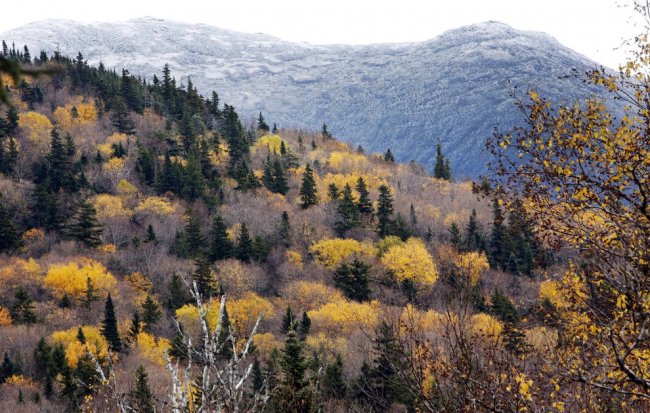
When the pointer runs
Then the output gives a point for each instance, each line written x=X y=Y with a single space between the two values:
x=454 y=88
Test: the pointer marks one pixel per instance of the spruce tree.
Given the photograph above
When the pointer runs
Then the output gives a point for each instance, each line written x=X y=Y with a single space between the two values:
x=10 y=123
x=90 y=295
x=284 y=229
x=498 y=249
x=85 y=227
x=203 y=276
x=141 y=398
x=333 y=384
x=280 y=184
x=151 y=234
x=224 y=339
x=293 y=393
x=364 y=204
x=109 y=326
x=384 y=212
x=10 y=237
x=258 y=376
x=8 y=368
x=347 y=213
x=288 y=321
x=151 y=313
x=261 y=124
x=454 y=235
x=81 y=338
x=177 y=294
x=388 y=156
x=23 y=309
x=304 y=327
x=244 y=244
x=353 y=279
x=326 y=133
x=136 y=327
x=194 y=241
x=333 y=192
x=221 y=247
x=473 y=236
x=441 y=169
x=308 y=188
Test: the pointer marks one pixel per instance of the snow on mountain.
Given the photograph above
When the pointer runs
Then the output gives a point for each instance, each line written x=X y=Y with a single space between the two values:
x=454 y=88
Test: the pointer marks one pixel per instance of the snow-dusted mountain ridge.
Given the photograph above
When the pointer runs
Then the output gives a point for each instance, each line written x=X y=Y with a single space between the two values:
x=453 y=88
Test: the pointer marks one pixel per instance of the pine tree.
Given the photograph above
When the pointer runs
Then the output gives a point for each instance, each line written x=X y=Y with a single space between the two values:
x=85 y=228
x=441 y=169
x=23 y=308
x=284 y=229
x=384 y=212
x=10 y=237
x=141 y=398
x=388 y=156
x=10 y=123
x=177 y=295
x=503 y=308
x=275 y=129
x=326 y=133
x=244 y=244
x=473 y=236
x=352 y=279
x=90 y=294
x=151 y=235
x=333 y=382
x=413 y=218
x=224 y=339
x=280 y=184
x=221 y=247
x=136 y=327
x=347 y=212
x=194 y=241
x=204 y=277
x=121 y=118
x=258 y=376
x=81 y=338
x=498 y=240
x=261 y=124
x=333 y=192
x=109 y=326
x=304 y=327
x=146 y=165
x=288 y=321
x=8 y=368
x=308 y=189
x=151 y=313
x=454 y=235
x=364 y=204
x=293 y=394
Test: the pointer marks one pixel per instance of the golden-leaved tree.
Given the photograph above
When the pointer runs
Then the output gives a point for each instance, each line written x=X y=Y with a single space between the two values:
x=584 y=174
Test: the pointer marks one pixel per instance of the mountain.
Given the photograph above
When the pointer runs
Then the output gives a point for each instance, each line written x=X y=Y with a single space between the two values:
x=455 y=88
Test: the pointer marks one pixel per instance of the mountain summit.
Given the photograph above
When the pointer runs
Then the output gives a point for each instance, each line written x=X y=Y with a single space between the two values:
x=454 y=89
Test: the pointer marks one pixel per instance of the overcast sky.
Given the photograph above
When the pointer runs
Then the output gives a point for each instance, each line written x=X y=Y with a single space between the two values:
x=592 y=27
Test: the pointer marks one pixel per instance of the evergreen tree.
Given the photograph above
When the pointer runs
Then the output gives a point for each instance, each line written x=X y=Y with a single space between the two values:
x=400 y=228
x=293 y=393
x=284 y=229
x=454 y=235
x=261 y=124
x=326 y=133
x=347 y=212
x=304 y=327
x=258 y=376
x=10 y=237
x=85 y=227
x=224 y=339
x=151 y=235
x=8 y=368
x=384 y=212
x=333 y=192
x=441 y=169
x=352 y=279
x=473 y=237
x=146 y=165
x=244 y=244
x=280 y=184
x=121 y=118
x=136 y=327
x=308 y=189
x=193 y=238
x=86 y=375
x=10 y=124
x=498 y=240
x=275 y=129
x=109 y=326
x=333 y=382
x=413 y=218
x=90 y=294
x=60 y=164
x=522 y=244
x=288 y=321
x=204 y=277
x=221 y=247
x=151 y=313
x=364 y=204
x=177 y=295
x=23 y=308
x=178 y=346
x=388 y=156
x=141 y=398
x=503 y=308
x=81 y=338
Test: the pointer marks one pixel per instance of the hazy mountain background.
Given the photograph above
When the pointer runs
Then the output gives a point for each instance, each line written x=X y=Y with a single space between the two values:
x=454 y=88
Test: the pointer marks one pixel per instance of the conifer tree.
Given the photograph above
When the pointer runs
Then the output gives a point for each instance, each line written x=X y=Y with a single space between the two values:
x=8 y=368
x=388 y=156
x=503 y=308
x=384 y=212
x=10 y=124
x=85 y=227
x=224 y=339
x=364 y=204
x=151 y=234
x=141 y=398
x=10 y=237
x=261 y=124
x=347 y=212
x=204 y=277
x=258 y=376
x=221 y=247
x=326 y=133
x=275 y=129
x=151 y=313
x=121 y=118
x=308 y=189
x=353 y=280
x=304 y=327
x=280 y=184
x=293 y=393
x=473 y=236
x=136 y=327
x=334 y=385
x=244 y=244
x=498 y=249
x=177 y=295
x=81 y=338
x=333 y=192
x=146 y=165
x=454 y=234
x=288 y=321
x=109 y=326
x=23 y=308
x=90 y=294
x=194 y=241
x=441 y=169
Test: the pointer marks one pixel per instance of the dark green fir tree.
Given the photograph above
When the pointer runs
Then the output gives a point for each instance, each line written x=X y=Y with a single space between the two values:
x=109 y=326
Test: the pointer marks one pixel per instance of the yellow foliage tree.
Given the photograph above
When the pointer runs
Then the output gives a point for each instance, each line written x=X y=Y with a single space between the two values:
x=125 y=187
x=37 y=127
x=485 y=325
x=343 y=317
x=110 y=206
x=332 y=252
x=156 y=205
x=72 y=278
x=471 y=265
x=411 y=261
x=306 y=295
x=5 y=317
x=152 y=348
x=74 y=349
x=270 y=143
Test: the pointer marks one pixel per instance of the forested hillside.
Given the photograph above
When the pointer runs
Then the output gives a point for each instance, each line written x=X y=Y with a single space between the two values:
x=158 y=255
